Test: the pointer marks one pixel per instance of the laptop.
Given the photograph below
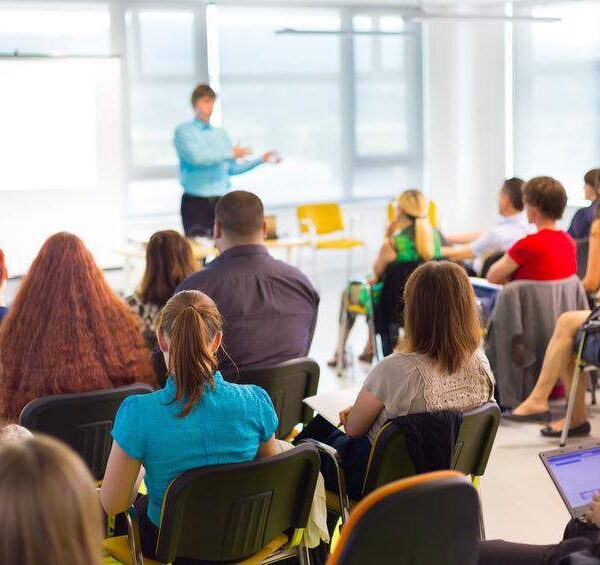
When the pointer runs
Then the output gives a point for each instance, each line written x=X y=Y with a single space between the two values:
x=575 y=471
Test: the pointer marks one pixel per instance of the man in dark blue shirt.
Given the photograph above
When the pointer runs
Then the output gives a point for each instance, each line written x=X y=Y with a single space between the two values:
x=269 y=307
x=583 y=218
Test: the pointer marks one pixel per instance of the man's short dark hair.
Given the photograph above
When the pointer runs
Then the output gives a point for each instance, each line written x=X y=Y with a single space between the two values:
x=547 y=195
x=202 y=91
x=240 y=213
x=592 y=178
x=513 y=188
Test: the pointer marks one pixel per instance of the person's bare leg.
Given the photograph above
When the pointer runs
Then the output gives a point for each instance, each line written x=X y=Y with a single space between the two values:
x=579 y=410
x=558 y=358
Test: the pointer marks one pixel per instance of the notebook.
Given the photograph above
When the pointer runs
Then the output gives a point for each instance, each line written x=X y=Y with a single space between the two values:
x=330 y=404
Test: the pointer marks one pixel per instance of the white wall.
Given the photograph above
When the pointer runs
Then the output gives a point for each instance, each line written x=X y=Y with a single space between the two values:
x=464 y=76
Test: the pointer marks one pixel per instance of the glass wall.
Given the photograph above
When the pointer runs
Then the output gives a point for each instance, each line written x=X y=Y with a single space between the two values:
x=557 y=94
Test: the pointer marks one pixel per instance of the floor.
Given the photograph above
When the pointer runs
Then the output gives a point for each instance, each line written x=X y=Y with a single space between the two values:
x=520 y=502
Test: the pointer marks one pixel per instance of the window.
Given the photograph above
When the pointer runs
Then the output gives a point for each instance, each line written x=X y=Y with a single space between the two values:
x=165 y=61
x=557 y=99
x=343 y=110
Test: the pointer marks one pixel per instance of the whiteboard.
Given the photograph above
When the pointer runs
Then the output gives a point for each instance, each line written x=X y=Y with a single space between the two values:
x=61 y=155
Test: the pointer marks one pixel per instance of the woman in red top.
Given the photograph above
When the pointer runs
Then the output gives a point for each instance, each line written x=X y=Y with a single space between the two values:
x=550 y=253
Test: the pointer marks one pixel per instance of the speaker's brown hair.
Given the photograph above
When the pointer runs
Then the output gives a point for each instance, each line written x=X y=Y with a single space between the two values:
x=49 y=509
x=191 y=321
x=440 y=315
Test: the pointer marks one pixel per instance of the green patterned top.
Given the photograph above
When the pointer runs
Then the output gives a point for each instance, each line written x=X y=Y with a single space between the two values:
x=404 y=243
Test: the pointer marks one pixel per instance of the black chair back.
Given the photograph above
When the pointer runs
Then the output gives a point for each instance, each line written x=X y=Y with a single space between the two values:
x=476 y=438
x=229 y=512
x=412 y=444
x=583 y=248
x=81 y=420
x=288 y=384
x=433 y=521
x=489 y=261
x=389 y=310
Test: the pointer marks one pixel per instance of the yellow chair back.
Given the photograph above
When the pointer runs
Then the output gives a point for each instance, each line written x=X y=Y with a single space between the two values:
x=326 y=217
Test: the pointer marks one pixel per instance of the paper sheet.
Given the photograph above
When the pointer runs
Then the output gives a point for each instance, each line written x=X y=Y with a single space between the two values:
x=330 y=404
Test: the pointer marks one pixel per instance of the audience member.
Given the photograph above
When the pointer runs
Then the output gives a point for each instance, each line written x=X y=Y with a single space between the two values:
x=49 y=508
x=269 y=307
x=548 y=254
x=198 y=419
x=3 y=283
x=409 y=237
x=583 y=218
x=512 y=226
x=558 y=361
x=438 y=365
x=169 y=260
x=67 y=331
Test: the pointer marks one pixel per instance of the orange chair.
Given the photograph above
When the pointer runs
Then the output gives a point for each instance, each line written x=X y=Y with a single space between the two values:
x=326 y=219
x=429 y=518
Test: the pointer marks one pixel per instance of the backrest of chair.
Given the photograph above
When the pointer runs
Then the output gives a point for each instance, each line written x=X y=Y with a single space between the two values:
x=476 y=438
x=489 y=261
x=583 y=248
x=430 y=518
x=326 y=217
x=389 y=310
x=81 y=420
x=287 y=384
x=229 y=512
x=389 y=459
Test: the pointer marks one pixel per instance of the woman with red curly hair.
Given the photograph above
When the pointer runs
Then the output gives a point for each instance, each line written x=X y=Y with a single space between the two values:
x=67 y=331
x=3 y=279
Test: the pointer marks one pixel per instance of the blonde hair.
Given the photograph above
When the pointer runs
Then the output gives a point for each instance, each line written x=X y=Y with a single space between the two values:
x=415 y=206
x=191 y=321
x=49 y=509
x=440 y=315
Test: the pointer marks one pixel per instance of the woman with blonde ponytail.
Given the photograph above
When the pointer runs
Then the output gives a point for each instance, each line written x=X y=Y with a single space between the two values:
x=409 y=237
x=198 y=419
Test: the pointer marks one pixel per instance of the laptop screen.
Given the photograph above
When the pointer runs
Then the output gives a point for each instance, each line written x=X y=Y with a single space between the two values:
x=578 y=474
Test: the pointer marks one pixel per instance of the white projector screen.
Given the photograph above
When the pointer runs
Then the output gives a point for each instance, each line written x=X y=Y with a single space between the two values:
x=61 y=155
x=48 y=117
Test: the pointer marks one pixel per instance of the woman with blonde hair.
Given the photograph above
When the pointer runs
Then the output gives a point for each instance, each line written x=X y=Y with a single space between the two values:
x=409 y=237
x=49 y=509
x=198 y=419
x=438 y=365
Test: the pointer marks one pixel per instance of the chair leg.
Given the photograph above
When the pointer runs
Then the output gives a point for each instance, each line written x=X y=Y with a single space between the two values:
x=476 y=484
x=572 y=394
x=303 y=554
x=594 y=383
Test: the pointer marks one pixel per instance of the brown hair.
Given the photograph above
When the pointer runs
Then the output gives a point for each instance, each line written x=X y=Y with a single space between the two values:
x=169 y=260
x=513 y=188
x=201 y=91
x=592 y=178
x=67 y=331
x=240 y=213
x=547 y=195
x=414 y=205
x=3 y=269
x=49 y=509
x=440 y=315
x=191 y=321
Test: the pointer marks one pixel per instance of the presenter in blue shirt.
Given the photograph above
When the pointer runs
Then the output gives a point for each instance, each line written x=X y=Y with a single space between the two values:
x=206 y=160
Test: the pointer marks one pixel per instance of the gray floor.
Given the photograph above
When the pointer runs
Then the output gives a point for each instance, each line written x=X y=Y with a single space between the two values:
x=519 y=501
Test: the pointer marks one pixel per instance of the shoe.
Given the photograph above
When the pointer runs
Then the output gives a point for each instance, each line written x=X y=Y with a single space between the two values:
x=365 y=357
x=536 y=417
x=580 y=431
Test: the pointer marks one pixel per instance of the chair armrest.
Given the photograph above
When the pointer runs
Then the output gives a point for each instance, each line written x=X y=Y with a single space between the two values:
x=133 y=535
x=335 y=458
